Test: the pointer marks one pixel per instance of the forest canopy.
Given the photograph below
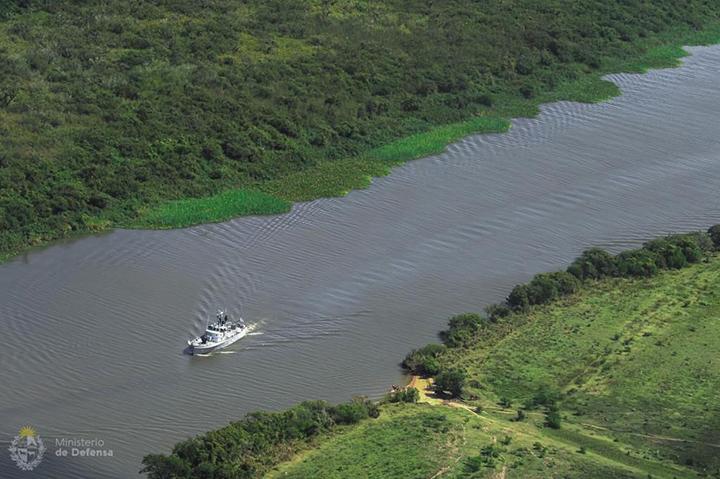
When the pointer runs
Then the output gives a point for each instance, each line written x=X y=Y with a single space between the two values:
x=107 y=108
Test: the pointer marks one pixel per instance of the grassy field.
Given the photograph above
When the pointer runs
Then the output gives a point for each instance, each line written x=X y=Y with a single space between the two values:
x=633 y=364
x=420 y=441
x=408 y=442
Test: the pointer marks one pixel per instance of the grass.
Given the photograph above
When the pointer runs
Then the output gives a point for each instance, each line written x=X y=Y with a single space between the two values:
x=634 y=362
x=221 y=207
x=339 y=177
x=408 y=442
x=595 y=346
x=424 y=440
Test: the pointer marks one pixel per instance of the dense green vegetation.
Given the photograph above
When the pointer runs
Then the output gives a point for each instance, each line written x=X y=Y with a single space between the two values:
x=628 y=354
x=614 y=377
x=108 y=110
x=421 y=441
x=247 y=448
x=404 y=442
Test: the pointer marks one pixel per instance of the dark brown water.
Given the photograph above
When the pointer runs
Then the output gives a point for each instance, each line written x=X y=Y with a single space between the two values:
x=340 y=289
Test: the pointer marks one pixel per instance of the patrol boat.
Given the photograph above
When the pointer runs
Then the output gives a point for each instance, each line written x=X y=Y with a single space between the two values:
x=220 y=334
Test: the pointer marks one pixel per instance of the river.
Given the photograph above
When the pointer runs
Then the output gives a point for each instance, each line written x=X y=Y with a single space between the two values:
x=340 y=289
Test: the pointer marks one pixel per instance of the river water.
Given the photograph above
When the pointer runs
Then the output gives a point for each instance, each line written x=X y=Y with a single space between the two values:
x=340 y=289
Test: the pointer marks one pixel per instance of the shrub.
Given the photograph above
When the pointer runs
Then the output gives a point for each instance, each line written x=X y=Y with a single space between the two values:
x=714 y=234
x=542 y=289
x=248 y=445
x=676 y=251
x=594 y=263
x=496 y=311
x=348 y=413
x=703 y=240
x=637 y=263
x=450 y=381
x=546 y=287
x=544 y=396
x=565 y=282
x=407 y=395
x=519 y=298
x=552 y=417
x=463 y=329
x=424 y=361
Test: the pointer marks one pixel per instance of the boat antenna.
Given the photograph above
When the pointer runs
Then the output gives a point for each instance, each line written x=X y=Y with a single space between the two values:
x=207 y=321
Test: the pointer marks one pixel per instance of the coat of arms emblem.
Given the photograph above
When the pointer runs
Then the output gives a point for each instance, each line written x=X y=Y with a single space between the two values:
x=27 y=449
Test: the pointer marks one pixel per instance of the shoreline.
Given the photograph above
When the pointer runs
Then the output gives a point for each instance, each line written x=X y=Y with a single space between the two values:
x=530 y=421
x=358 y=172
x=336 y=178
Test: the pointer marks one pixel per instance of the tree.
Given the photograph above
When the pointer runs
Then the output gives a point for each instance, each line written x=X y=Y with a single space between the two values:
x=519 y=298
x=714 y=233
x=544 y=396
x=639 y=262
x=408 y=395
x=462 y=329
x=450 y=381
x=159 y=466
x=594 y=263
x=552 y=417
x=424 y=361
x=542 y=289
x=496 y=311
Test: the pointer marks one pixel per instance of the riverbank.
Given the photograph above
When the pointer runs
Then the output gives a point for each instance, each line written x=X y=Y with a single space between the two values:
x=151 y=148
x=580 y=357
x=551 y=388
x=339 y=177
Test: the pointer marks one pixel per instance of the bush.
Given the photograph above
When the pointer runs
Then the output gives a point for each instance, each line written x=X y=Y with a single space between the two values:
x=552 y=417
x=519 y=298
x=637 y=263
x=354 y=411
x=542 y=289
x=406 y=395
x=594 y=263
x=424 y=361
x=546 y=287
x=245 y=448
x=488 y=457
x=714 y=234
x=565 y=282
x=544 y=396
x=463 y=329
x=450 y=381
x=676 y=251
x=496 y=311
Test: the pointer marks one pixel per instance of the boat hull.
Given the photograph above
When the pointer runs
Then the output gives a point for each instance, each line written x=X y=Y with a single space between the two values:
x=199 y=348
